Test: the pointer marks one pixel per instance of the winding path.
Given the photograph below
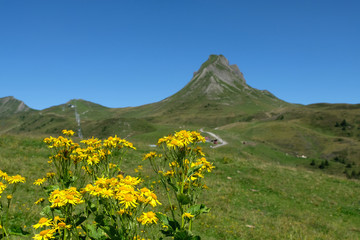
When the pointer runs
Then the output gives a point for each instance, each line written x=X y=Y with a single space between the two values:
x=220 y=140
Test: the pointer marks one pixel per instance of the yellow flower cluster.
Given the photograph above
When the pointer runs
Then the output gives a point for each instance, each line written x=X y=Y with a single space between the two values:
x=11 y=179
x=55 y=225
x=94 y=152
x=68 y=132
x=60 y=142
x=116 y=142
x=151 y=155
x=60 y=198
x=181 y=139
x=123 y=191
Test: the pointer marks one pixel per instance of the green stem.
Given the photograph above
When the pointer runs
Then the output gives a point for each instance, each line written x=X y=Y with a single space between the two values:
x=190 y=224
x=167 y=193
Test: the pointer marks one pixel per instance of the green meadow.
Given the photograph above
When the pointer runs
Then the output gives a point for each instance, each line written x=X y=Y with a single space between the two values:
x=255 y=192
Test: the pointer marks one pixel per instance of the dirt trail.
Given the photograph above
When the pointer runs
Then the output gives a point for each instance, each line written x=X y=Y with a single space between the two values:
x=221 y=142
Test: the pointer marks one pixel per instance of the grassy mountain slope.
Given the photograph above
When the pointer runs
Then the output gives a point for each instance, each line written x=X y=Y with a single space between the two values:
x=255 y=192
x=10 y=105
x=217 y=94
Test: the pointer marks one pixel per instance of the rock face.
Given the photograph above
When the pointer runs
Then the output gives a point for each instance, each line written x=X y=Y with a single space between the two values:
x=218 y=77
x=217 y=80
x=10 y=105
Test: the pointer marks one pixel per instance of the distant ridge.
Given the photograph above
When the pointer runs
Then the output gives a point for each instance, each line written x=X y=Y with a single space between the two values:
x=10 y=105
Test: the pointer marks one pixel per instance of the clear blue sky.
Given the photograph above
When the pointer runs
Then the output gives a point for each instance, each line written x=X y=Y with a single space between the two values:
x=129 y=53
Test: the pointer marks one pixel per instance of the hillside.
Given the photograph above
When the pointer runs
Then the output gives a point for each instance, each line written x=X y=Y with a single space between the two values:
x=11 y=105
x=289 y=171
x=217 y=94
x=216 y=97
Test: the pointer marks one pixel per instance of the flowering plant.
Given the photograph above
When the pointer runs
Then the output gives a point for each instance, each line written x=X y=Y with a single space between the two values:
x=181 y=170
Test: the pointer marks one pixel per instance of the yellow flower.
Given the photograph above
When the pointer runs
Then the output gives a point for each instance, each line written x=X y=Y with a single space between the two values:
x=68 y=132
x=45 y=234
x=169 y=173
x=68 y=196
x=151 y=198
x=187 y=215
x=43 y=222
x=60 y=224
x=149 y=155
x=3 y=175
x=121 y=211
x=2 y=187
x=9 y=197
x=111 y=165
x=50 y=175
x=149 y=217
x=15 y=179
x=107 y=193
x=39 y=201
x=128 y=200
x=40 y=181
x=132 y=181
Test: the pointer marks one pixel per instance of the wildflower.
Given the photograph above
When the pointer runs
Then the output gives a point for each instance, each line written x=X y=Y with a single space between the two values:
x=149 y=155
x=111 y=165
x=68 y=196
x=15 y=179
x=2 y=187
x=3 y=175
x=149 y=217
x=187 y=215
x=43 y=222
x=9 y=197
x=40 y=181
x=68 y=132
x=152 y=199
x=169 y=173
x=45 y=234
x=121 y=211
x=60 y=224
x=107 y=193
x=39 y=201
x=50 y=175
x=128 y=200
x=132 y=181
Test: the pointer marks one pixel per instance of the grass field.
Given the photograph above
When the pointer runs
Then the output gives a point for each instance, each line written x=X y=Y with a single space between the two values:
x=255 y=192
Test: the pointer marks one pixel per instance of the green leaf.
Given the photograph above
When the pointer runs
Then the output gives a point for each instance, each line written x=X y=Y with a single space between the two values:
x=183 y=199
x=94 y=233
x=172 y=185
x=183 y=235
x=198 y=209
x=80 y=220
x=193 y=170
x=172 y=225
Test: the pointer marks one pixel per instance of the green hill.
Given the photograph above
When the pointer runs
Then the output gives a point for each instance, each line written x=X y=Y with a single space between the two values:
x=217 y=94
x=283 y=174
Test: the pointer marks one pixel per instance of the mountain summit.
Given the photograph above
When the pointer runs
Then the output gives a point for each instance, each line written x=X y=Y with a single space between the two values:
x=218 y=77
x=10 y=105
x=217 y=89
x=219 y=82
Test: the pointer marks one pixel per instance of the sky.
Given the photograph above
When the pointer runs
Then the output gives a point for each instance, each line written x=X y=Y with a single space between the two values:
x=129 y=53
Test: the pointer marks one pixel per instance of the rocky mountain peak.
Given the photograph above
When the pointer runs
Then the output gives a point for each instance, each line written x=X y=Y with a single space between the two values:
x=216 y=77
x=10 y=105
